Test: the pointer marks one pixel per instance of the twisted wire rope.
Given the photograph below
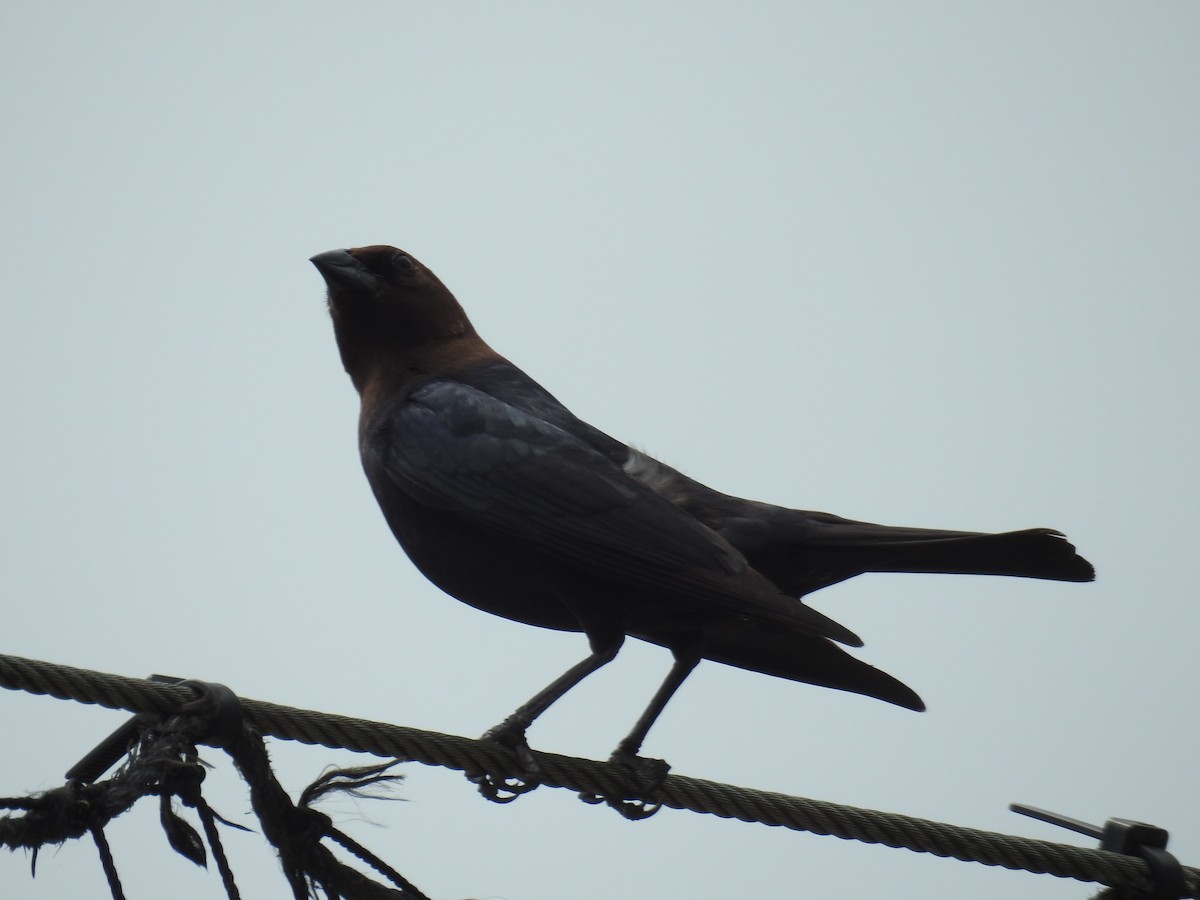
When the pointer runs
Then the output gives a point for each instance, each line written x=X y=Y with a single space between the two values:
x=591 y=777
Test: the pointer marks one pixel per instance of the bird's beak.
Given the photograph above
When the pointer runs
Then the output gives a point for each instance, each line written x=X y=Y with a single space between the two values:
x=340 y=269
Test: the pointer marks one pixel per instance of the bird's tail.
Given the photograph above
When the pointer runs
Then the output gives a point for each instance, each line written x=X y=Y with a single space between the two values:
x=832 y=549
x=1032 y=553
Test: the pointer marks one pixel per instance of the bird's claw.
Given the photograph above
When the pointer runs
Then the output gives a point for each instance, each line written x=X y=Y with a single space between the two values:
x=648 y=773
x=508 y=786
x=646 y=777
x=632 y=808
x=502 y=788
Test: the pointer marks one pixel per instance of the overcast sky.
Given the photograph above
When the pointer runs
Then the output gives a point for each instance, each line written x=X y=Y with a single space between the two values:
x=927 y=264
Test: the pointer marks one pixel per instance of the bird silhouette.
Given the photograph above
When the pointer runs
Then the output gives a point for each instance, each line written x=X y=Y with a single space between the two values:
x=506 y=500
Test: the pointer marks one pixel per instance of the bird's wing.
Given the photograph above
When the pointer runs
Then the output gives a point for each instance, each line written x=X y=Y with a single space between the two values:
x=458 y=448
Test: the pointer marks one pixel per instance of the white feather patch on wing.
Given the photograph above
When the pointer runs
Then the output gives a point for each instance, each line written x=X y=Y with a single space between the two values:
x=659 y=477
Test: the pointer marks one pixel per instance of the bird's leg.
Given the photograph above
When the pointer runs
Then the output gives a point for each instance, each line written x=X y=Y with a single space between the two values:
x=648 y=774
x=654 y=770
x=511 y=732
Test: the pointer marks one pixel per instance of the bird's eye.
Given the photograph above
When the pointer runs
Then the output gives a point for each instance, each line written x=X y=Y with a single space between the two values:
x=402 y=262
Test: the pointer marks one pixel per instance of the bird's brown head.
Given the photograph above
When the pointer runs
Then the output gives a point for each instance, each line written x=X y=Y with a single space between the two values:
x=392 y=316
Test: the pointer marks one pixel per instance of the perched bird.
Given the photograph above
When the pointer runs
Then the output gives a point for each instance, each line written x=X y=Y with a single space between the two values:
x=508 y=502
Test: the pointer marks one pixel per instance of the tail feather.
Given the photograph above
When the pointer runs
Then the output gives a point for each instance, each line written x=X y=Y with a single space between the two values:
x=832 y=549
x=1032 y=553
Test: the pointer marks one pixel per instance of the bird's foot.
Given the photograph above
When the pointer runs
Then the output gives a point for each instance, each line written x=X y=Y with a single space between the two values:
x=505 y=787
x=642 y=777
x=648 y=773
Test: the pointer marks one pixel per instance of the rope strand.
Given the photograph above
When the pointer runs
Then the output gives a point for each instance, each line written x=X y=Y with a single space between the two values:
x=588 y=776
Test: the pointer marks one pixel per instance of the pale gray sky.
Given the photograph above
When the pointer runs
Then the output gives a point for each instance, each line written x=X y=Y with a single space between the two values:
x=929 y=264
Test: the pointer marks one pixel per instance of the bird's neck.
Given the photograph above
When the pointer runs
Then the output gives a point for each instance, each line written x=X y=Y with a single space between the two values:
x=396 y=374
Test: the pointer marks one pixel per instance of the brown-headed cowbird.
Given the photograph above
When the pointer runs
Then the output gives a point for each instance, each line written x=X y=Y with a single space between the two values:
x=508 y=502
